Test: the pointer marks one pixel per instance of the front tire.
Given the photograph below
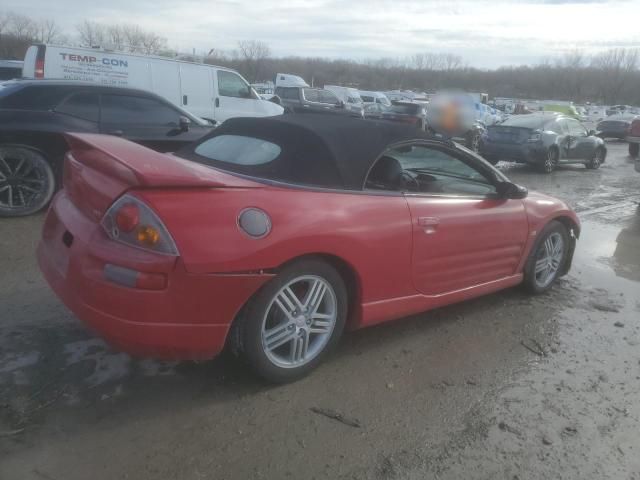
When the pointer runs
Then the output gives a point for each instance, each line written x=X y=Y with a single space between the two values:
x=472 y=141
x=550 y=161
x=27 y=181
x=547 y=258
x=634 y=149
x=292 y=323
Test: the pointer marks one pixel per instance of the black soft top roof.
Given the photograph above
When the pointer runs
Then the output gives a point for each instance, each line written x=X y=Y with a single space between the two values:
x=331 y=151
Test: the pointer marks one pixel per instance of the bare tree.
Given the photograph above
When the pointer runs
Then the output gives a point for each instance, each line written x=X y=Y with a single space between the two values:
x=253 y=53
x=91 y=33
x=115 y=37
x=47 y=31
x=21 y=27
x=614 y=67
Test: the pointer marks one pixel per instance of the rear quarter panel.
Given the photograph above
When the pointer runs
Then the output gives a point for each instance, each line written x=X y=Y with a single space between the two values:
x=371 y=233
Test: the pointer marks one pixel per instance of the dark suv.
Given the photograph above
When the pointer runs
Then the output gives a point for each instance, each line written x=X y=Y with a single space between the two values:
x=34 y=114
x=310 y=100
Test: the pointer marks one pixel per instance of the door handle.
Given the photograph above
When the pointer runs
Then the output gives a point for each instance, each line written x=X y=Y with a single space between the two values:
x=117 y=133
x=429 y=224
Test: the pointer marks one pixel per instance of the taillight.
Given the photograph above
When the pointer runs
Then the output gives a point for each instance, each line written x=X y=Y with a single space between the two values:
x=130 y=221
x=39 y=71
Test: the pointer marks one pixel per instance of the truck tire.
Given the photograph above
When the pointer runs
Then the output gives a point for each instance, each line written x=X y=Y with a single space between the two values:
x=634 y=149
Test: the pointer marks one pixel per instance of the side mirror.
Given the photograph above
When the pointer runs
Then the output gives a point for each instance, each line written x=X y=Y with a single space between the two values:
x=511 y=191
x=340 y=104
x=184 y=123
x=591 y=133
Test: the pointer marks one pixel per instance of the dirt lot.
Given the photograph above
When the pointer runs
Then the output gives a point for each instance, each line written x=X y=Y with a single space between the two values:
x=507 y=386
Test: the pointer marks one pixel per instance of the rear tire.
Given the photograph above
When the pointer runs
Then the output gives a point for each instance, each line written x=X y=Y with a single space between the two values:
x=27 y=180
x=308 y=329
x=634 y=149
x=550 y=161
x=547 y=258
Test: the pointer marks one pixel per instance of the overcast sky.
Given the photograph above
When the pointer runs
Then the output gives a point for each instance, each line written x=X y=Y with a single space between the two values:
x=486 y=34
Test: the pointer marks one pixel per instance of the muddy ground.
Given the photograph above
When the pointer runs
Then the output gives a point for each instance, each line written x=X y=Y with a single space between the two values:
x=504 y=387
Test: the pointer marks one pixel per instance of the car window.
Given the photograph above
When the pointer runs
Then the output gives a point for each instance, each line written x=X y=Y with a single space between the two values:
x=231 y=85
x=238 y=150
x=367 y=98
x=85 y=105
x=328 y=97
x=44 y=97
x=311 y=94
x=554 y=126
x=128 y=109
x=564 y=127
x=287 y=93
x=424 y=169
x=576 y=129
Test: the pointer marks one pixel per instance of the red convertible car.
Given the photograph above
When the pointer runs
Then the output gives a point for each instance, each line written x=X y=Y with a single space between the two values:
x=273 y=235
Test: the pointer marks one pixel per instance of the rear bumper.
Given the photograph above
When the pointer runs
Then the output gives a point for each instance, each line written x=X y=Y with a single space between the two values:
x=188 y=319
x=520 y=153
x=631 y=139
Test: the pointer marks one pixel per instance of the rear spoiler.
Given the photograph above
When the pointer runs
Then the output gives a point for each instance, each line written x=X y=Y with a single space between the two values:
x=139 y=166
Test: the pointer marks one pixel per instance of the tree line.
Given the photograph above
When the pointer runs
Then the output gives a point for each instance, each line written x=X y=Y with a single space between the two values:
x=608 y=77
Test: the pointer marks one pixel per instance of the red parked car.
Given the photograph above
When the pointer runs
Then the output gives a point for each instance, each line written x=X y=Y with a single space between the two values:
x=633 y=137
x=272 y=235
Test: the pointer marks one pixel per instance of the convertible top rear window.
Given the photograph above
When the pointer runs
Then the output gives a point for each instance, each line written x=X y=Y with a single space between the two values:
x=239 y=150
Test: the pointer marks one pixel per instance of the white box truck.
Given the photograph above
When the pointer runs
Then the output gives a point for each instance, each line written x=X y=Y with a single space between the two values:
x=210 y=92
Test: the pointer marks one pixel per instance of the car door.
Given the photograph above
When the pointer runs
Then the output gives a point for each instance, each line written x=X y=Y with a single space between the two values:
x=581 y=145
x=146 y=120
x=561 y=127
x=235 y=97
x=463 y=234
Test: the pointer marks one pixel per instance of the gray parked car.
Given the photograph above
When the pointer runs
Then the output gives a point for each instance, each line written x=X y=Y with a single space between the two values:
x=615 y=126
x=544 y=140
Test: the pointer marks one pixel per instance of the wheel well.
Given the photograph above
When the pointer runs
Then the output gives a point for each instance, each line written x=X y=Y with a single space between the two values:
x=569 y=224
x=574 y=234
x=53 y=145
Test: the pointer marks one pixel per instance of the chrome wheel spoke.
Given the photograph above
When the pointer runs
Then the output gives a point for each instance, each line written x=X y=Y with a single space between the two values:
x=4 y=166
x=320 y=325
x=16 y=169
x=278 y=336
x=299 y=347
x=315 y=297
x=541 y=265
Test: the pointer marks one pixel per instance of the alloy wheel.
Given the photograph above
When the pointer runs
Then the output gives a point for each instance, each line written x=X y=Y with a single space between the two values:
x=551 y=161
x=596 y=161
x=548 y=259
x=299 y=321
x=25 y=180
